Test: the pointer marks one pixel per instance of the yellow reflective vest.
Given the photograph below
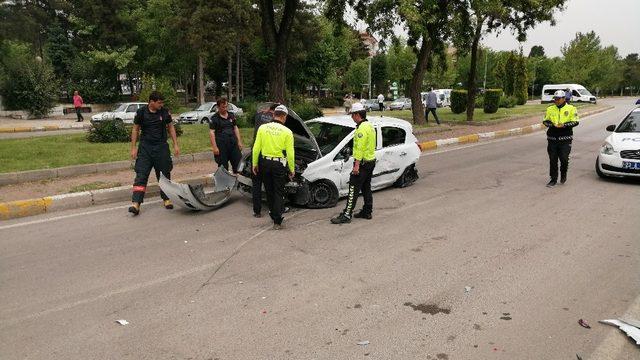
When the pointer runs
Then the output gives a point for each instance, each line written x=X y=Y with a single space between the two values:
x=272 y=140
x=364 y=142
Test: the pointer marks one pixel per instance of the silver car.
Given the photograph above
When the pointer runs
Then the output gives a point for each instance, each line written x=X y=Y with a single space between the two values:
x=203 y=113
x=401 y=104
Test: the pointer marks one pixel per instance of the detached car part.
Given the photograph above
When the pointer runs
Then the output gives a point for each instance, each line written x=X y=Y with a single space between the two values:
x=194 y=197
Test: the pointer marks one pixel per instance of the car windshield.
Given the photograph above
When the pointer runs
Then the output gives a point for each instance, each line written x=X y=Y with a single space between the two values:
x=631 y=124
x=119 y=107
x=204 y=107
x=328 y=135
x=584 y=92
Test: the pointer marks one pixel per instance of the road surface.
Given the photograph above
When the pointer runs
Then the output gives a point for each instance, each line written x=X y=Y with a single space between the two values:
x=477 y=260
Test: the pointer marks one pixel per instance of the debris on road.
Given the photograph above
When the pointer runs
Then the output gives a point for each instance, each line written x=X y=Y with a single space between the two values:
x=363 y=343
x=584 y=324
x=467 y=289
x=122 y=322
x=626 y=325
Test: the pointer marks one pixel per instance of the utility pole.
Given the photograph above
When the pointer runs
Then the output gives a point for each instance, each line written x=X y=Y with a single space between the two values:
x=369 y=76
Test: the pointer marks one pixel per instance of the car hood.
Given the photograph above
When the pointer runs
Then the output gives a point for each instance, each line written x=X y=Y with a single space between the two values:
x=191 y=113
x=103 y=115
x=624 y=141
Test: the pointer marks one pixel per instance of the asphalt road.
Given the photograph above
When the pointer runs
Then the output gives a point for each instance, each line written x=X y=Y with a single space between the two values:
x=221 y=285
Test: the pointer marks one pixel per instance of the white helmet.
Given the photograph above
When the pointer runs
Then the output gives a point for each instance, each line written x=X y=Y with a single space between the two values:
x=281 y=109
x=357 y=107
x=559 y=94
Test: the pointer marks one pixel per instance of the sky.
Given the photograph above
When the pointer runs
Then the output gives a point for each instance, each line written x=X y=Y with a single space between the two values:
x=617 y=22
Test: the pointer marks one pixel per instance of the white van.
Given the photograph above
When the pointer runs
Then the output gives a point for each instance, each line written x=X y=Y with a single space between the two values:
x=443 y=96
x=578 y=93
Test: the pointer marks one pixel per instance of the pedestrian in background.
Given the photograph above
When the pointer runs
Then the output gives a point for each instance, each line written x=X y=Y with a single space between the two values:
x=77 y=104
x=567 y=96
x=432 y=105
x=347 y=103
x=154 y=121
x=264 y=116
x=381 y=102
x=273 y=158
x=560 y=118
x=224 y=135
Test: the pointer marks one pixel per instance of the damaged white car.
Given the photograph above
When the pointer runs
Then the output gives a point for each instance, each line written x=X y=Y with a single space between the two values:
x=323 y=158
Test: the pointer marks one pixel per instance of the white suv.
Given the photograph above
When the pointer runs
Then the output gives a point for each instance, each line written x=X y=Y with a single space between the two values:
x=124 y=112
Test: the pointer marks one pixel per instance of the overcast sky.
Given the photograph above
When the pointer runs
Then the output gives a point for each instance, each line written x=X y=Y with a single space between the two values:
x=617 y=22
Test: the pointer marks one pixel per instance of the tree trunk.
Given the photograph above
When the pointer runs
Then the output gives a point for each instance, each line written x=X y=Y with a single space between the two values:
x=238 y=71
x=471 y=82
x=200 y=79
x=415 y=85
x=230 y=77
x=186 y=90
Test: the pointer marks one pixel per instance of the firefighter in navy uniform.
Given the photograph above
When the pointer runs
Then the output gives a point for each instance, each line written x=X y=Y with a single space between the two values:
x=273 y=158
x=560 y=118
x=364 y=161
x=262 y=117
x=225 y=137
x=154 y=122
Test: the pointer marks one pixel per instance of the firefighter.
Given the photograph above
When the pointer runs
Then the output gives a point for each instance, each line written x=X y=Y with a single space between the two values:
x=273 y=158
x=560 y=118
x=154 y=121
x=364 y=161
x=225 y=137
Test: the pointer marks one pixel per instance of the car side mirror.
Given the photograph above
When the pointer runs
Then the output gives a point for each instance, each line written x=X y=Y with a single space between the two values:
x=611 y=128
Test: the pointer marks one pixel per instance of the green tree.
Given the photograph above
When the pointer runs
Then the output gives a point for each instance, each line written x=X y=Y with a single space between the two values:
x=631 y=72
x=401 y=61
x=536 y=51
x=379 y=75
x=357 y=75
x=520 y=80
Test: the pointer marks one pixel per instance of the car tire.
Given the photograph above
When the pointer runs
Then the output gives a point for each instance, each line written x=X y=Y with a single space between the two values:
x=408 y=177
x=322 y=194
x=204 y=121
x=598 y=171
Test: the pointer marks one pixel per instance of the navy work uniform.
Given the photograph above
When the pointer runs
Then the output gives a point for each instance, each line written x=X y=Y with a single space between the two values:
x=153 y=150
x=226 y=141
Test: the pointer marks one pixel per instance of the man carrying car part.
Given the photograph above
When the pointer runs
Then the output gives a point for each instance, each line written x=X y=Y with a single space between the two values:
x=153 y=151
x=364 y=161
x=273 y=158
x=225 y=137
x=560 y=118
x=262 y=117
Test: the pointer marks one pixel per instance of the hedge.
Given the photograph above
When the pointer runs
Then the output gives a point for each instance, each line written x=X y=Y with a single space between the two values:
x=458 y=101
x=492 y=100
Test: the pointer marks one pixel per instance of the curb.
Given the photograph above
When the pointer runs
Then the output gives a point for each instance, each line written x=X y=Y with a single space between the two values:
x=473 y=138
x=19 y=129
x=24 y=208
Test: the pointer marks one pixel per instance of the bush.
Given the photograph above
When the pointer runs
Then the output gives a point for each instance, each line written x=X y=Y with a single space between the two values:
x=249 y=108
x=492 y=100
x=109 y=131
x=458 y=101
x=27 y=83
x=329 y=102
x=307 y=110
x=508 y=101
x=178 y=128
x=163 y=85
x=479 y=102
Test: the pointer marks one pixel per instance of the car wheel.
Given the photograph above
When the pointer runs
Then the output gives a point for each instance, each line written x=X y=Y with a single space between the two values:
x=598 y=171
x=408 y=177
x=204 y=121
x=322 y=194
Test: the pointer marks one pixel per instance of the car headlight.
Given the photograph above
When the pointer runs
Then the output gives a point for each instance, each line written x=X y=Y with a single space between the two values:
x=607 y=149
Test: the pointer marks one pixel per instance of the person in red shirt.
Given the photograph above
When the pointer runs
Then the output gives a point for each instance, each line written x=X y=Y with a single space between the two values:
x=77 y=103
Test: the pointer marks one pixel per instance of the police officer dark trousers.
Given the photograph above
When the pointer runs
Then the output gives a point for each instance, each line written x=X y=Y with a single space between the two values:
x=225 y=137
x=560 y=118
x=153 y=151
x=364 y=146
x=272 y=158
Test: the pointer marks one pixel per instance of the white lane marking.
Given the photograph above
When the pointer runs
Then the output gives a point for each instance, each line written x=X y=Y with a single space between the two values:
x=62 y=217
x=147 y=284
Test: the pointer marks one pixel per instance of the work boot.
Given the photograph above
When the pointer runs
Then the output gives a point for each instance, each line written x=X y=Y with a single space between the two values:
x=563 y=178
x=341 y=219
x=362 y=215
x=134 y=209
x=257 y=215
x=277 y=226
x=168 y=205
x=551 y=183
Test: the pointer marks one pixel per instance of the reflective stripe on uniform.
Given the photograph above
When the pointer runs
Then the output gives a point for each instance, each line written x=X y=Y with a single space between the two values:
x=138 y=188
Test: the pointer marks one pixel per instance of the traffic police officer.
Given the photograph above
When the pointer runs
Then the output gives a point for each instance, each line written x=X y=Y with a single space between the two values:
x=262 y=117
x=225 y=137
x=560 y=118
x=364 y=161
x=273 y=157
x=153 y=151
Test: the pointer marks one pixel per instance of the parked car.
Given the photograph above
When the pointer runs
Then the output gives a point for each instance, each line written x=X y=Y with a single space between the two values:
x=371 y=105
x=202 y=114
x=578 y=93
x=400 y=104
x=324 y=163
x=620 y=153
x=123 y=111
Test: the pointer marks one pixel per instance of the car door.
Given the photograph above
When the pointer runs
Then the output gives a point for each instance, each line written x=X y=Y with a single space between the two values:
x=390 y=156
x=130 y=113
